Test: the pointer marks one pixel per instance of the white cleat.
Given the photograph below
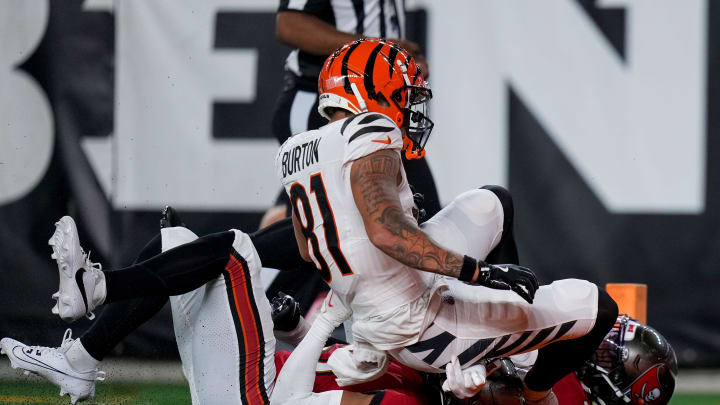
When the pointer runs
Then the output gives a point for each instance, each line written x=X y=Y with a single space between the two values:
x=52 y=364
x=82 y=283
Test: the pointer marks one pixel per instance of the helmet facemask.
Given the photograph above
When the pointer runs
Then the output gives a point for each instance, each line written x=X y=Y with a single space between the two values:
x=416 y=125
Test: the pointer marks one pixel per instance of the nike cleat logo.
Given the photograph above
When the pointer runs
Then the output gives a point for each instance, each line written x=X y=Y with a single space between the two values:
x=386 y=141
x=81 y=285
x=32 y=361
x=505 y=269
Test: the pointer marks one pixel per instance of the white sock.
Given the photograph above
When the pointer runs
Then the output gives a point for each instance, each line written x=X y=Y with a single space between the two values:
x=80 y=359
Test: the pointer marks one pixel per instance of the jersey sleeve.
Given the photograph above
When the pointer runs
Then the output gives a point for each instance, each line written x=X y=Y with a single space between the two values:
x=367 y=133
x=317 y=7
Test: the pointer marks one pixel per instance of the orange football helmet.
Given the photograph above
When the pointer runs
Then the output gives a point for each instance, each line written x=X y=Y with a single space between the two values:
x=373 y=74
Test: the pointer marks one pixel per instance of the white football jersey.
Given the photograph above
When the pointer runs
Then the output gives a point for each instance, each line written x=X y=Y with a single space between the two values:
x=315 y=169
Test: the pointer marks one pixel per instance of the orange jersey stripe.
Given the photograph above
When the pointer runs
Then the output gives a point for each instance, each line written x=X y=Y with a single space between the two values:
x=249 y=325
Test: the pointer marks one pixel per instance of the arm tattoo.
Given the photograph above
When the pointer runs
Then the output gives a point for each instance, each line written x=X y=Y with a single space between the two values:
x=374 y=182
x=412 y=247
x=370 y=169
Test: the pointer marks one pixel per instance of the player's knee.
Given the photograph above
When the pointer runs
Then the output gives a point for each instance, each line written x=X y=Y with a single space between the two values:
x=505 y=201
x=480 y=206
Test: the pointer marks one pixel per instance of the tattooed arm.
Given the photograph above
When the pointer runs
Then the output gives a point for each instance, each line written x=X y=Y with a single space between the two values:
x=374 y=179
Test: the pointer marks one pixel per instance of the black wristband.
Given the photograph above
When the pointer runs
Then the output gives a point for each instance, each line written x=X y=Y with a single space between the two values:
x=467 y=271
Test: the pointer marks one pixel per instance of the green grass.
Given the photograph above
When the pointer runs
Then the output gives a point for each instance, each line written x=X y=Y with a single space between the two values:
x=33 y=392
x=696 y=399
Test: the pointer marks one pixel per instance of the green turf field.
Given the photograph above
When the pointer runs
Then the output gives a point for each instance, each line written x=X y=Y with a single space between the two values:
x=31 y=392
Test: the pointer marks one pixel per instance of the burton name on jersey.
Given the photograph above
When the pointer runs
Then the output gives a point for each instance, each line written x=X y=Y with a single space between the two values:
x=300 y=157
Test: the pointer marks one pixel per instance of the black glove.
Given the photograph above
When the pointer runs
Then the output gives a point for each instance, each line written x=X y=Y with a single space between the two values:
x=509 y=277
x=418 y=198
x=285 y=312
x=501 y=277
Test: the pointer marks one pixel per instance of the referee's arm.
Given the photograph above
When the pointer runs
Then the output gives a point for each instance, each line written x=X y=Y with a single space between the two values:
x=309 y=33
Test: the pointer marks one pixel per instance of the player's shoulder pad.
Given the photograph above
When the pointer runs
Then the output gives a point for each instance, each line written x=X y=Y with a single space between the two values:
x=367 y=124
x=369 y=132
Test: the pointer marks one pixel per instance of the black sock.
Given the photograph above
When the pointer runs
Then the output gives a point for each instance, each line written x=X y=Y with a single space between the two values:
x=506 y=250
x=117 y=321
x=277 y=247
x=174 y=272
x=559 y=359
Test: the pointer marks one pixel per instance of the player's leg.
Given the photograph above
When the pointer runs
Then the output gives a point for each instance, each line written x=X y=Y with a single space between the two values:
x=233 y=345
x=567 y=321
x=214 y=347
x=473 y=223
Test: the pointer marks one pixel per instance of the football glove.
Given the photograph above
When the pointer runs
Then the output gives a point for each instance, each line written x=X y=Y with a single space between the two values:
x=418 y=211
x=334 y=310
x=508 y=277
x=285 y=312
x=464 y=383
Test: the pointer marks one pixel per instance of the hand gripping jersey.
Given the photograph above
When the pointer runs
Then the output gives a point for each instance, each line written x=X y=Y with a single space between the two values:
x=315 y=170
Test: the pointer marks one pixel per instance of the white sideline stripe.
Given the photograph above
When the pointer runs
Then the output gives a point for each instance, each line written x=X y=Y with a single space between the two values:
x=701 y=380
x=117 y=371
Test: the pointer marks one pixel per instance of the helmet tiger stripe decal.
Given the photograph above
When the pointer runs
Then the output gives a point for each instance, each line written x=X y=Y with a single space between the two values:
x=378 y=75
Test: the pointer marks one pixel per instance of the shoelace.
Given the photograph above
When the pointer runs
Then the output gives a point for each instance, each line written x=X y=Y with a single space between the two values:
x=65 y=345
x=89 y=263
x=67 y=341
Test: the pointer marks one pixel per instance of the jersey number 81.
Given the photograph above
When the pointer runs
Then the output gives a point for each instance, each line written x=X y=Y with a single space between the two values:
x=298 y=196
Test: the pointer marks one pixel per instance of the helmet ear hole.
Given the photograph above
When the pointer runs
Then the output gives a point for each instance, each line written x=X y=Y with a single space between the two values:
x=399 y=118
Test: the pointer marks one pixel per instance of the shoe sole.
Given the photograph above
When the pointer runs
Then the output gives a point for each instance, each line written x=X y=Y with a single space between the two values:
x=65 y=244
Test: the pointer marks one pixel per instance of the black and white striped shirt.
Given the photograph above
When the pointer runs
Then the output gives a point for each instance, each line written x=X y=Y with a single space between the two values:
x=370 y=18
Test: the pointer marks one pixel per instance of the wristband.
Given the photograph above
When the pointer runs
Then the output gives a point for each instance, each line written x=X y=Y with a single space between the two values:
x=467 y=271
x=483 y=273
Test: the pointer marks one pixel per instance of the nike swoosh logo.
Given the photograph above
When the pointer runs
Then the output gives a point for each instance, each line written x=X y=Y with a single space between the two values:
x=386 y=141
x=505 y=269
x=37 y=363
x=81 y=284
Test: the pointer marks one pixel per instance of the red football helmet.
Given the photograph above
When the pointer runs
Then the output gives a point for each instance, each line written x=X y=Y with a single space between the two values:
x=373 y=74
